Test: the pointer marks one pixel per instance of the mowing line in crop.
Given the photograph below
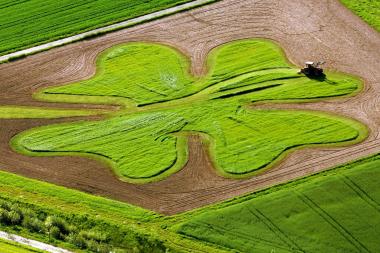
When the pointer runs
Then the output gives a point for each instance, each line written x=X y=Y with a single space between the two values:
x=335 y=224
x=251 y=90
x=248 y=237
x=242 y=123
x=274 y=228
x=360 y=192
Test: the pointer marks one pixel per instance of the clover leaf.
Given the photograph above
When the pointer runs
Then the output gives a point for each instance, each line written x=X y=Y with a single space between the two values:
x=162 y=103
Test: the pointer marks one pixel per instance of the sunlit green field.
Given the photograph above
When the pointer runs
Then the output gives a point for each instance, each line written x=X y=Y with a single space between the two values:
x=336 y=211
x=27 y=23
x=162 y=103
x=368 y=10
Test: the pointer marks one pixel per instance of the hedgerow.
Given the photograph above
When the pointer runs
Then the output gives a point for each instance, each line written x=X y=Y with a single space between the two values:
x=79 y=231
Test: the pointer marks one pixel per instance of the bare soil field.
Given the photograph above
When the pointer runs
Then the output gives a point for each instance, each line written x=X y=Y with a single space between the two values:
x=307 y=30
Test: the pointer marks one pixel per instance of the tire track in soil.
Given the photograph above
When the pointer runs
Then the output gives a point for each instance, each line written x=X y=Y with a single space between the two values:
x=316 y=30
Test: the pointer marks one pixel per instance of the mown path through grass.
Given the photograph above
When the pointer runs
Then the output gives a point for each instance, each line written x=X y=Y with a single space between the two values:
x=162 y=103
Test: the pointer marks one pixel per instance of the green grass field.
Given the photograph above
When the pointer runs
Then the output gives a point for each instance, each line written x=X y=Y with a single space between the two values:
x=19 y=112
x=368 y=10
x=12 y=247
x=27 y=23
x=162 y=103
x=334 y=211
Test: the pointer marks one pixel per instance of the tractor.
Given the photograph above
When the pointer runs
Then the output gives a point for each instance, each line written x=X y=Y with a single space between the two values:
x=313 y=69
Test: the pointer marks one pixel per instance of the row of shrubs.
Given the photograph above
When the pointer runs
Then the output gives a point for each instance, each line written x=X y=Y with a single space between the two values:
x=78 y=230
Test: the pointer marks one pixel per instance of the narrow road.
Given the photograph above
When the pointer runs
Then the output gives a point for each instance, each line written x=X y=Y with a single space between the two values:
x=32 y=243
x=124 y=24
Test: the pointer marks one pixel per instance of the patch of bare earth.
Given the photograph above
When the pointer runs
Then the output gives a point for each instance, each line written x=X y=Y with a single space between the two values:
x=320 y=30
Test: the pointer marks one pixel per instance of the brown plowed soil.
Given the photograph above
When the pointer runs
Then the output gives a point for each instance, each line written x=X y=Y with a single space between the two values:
x=306 y=29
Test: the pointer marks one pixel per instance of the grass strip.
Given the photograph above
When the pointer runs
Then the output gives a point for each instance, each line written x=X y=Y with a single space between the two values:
x=23 y=112
x=12 y=247
x=368 y=10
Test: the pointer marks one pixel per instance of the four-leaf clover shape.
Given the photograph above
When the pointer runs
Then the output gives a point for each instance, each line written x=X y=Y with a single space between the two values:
x=162 y=103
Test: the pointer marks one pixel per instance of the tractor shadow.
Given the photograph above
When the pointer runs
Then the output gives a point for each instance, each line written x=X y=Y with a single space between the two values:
x=320 y=78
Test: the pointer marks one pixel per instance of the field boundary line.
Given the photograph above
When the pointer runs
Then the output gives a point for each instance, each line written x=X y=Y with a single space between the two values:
x=105 y=29
x=332 y=222
x=32 y=243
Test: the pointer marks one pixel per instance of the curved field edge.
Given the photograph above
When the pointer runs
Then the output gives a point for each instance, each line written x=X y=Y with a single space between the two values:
x=181 y=159
x=182 y=150
x=333 y=208
x=362 y=134
x=185 y=64
x=130 y=106
x=368 y=10
x=127 y=105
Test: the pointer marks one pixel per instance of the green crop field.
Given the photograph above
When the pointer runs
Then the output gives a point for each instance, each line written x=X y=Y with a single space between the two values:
x=12 y=247
x=335 y=211
x=368 y=10
x=162 y=103
x=27 y=23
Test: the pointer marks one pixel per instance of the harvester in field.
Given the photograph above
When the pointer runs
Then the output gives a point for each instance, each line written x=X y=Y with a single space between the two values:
x=313 y=69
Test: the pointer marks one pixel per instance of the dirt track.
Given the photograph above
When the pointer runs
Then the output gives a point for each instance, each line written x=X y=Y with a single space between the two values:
x=305 y=29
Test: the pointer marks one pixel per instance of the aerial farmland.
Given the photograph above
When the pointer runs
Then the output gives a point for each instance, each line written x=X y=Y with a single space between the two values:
x=189 y=126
